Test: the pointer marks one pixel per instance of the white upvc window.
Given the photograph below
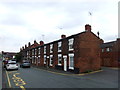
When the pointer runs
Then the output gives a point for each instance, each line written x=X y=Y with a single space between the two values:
x=27 y=53
x=71 y=61
x=35 y=52
x=35 y=59
x=102 y=50
x=44 y=49
x=32 y=59
x=39 y=50
x=51 y=60
x=44 y=59
x=59 y=59
x=108 y=49
x=51 y=48
x=32 y=51
x=71 y=44
x=59 y=46
x=39 y=59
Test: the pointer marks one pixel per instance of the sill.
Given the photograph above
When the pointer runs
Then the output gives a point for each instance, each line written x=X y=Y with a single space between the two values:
x=59 y=64
x=71 y=68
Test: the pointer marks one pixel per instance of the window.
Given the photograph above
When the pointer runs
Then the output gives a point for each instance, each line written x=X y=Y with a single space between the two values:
x=44 y=49
x=39 y=59
x=51 y=60
x=71 y=61
x=51 y=48
x=39 y=51
x=59 y=59
x=71 y=44
x=32 y=59
x=108 y=49
x=33 y=52
x=44 y=59
x=102 y=50
x=59 y=46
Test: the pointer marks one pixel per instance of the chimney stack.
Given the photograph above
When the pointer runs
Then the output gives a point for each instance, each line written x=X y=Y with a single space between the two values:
x=41 y=43
x=88 y=27
x=25 y=46
x=63 y=36
x=29 y=44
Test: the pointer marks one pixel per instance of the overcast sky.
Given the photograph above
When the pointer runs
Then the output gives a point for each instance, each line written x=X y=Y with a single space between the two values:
x=23 y=21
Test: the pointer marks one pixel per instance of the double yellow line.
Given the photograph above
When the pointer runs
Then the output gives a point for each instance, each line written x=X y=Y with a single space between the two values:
x=9 y=83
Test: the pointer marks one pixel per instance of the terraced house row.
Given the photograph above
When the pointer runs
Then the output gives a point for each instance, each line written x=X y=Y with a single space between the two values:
x=76 y=53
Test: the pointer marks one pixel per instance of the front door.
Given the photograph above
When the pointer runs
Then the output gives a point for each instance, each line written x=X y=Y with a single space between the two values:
x=65 y=63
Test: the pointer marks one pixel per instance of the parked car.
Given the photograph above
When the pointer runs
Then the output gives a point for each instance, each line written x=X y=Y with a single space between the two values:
x=25 y=63
x=11 y=65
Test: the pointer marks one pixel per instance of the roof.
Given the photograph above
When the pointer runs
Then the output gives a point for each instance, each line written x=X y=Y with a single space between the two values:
x=108 y=44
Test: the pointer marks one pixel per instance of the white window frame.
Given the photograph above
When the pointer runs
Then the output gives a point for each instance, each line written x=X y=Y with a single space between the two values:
x=59 y=45
x=39 y=59
x=44 y=49
x=33 y=52
x=59 y=55
x=102 y=49
x=32 y=59
x=71 y=41
x=45 y=58
x=51 y=59
x=39 y=50
x=108 y=49
x=69 y=61
x=51 y=48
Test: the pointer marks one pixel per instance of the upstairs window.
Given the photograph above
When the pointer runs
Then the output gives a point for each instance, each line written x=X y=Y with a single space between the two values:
x=59 y=46
x=71 y=44
x=51 y=48
x=44 y=49
x=108 y=49
x=35 y=52
x=39 y=51
x=102 y=50
x=32 y=51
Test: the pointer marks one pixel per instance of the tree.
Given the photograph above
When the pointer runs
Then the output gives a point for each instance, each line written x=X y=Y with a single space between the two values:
x=18 y=57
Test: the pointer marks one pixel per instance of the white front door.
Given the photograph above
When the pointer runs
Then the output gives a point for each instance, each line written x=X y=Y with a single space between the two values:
x=65 y=63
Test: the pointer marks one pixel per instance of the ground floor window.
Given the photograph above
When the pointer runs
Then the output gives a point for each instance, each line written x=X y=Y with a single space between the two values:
x=44 y=59
x=32 y=59
x=71 y=61
x=59 y=59
x=38 y=59
x=51 y=60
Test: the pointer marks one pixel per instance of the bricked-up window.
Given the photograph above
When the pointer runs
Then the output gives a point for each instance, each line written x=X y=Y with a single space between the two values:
x=44 y=49
x=59 y=46
x=71 y=44
x=71 y=61
x=39 y=50
x=51 y=48
x=59 y=59
x=44 y=59
x=32 y=51
x=51 y=60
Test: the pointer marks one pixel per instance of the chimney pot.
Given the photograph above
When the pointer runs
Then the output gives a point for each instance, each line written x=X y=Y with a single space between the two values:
x=41 y=43
x=63 y=36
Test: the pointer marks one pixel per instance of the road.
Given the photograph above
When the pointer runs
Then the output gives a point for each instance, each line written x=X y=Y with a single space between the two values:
x=38 y=78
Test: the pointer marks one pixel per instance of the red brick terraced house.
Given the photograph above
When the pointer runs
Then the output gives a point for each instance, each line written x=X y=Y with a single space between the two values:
x=110 y=54
x=76 y=53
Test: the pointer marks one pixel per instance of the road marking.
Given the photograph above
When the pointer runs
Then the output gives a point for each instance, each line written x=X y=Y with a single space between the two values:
x=22 y=88
x=8 y=80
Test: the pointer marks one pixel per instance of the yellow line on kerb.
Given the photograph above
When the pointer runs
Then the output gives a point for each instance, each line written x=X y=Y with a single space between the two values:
x=8 y=80
x=22 y=88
